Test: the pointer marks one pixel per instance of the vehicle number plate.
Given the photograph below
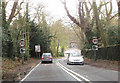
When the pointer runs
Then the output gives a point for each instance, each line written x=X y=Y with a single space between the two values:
x=46 y=58
x=76 y=60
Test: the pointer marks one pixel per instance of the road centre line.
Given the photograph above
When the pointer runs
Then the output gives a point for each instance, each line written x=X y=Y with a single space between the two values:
x=72 y=73
x=30 y=72
x=69 y=73
x=75 y=73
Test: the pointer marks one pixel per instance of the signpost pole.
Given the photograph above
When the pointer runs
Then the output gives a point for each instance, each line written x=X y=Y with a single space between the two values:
x=39 y=54
x=95 y=47
x=94 y=55
x=22 y=50
x=22 y=58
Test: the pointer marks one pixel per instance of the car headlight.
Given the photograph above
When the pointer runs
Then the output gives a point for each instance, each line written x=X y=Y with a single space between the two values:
x=81 y=59
x=70 y=59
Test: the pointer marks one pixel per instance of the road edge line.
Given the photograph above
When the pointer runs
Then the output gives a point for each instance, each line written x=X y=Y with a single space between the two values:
x=30 y=72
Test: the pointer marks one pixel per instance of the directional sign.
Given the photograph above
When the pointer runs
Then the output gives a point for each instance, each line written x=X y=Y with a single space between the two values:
x=37 y=48
x=22 y=43
x=95 y=41
x=22 y=50
x=95 y=47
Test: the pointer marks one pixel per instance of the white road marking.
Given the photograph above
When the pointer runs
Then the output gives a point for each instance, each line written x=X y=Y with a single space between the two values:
x=86 y=76
x=64 y=68
x=69 y=73
x=30 y=72
x=74 y=73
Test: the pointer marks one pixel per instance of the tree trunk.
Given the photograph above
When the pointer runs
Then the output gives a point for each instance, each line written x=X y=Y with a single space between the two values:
x=13 y=11
x=3 y=16
x=118 y=22
x=6 y=38
x=4 y=30
x=26 y=33
x=99 y=25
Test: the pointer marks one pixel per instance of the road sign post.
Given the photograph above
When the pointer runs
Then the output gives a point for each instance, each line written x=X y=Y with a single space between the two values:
x=37 y=49
x=95 y=41
x=22 y=43
x=95 y=46
x=22 y=49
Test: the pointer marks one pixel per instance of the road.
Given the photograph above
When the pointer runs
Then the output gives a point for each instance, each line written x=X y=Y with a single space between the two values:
x=60 y=71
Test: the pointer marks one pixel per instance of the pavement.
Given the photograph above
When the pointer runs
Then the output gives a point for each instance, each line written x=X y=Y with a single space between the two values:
x=59 y=71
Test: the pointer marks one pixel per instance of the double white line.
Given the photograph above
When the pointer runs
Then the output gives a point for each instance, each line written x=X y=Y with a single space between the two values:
x=73 y=74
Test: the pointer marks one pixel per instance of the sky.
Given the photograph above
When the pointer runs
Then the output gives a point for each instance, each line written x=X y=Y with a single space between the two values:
x=55 y=8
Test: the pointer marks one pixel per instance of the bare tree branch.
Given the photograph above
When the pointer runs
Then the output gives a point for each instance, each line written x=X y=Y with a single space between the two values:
x=13 y=11
x=6 y=3
x=114 y=16
x=71 y=17
x=18 y=9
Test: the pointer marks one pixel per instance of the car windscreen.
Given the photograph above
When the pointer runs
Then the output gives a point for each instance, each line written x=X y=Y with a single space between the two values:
x=75 y=55
x=46 y=55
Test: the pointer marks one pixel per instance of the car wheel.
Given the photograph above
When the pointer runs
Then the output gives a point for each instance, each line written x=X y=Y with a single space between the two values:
x=67 y=63
x=83 y=63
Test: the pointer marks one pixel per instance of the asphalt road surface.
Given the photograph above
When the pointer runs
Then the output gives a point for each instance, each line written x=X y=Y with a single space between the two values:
x=60 y=71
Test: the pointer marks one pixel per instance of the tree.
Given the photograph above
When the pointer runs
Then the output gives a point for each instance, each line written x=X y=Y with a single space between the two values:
x=40 y=32
x=6 y=38
x=62 y=36
x=26 y=31
x=17 y=33
x=85 y=22
x=99 y=25
x=89 y=13
x=118 y=2
x=0 y=30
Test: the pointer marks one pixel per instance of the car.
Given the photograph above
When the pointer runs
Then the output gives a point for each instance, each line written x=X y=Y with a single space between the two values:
x=47 y=57
x=75 y=58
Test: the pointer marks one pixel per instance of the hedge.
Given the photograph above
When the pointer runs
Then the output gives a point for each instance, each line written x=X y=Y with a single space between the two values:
x=106 y=53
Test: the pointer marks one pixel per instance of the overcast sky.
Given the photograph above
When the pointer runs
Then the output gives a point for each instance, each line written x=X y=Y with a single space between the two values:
x=55 y=8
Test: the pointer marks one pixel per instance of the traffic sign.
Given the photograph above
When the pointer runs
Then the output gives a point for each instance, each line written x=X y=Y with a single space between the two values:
x=22 y=50
x=22 y=43
x=37 y=48
x=95 y=41
x=95 y=47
